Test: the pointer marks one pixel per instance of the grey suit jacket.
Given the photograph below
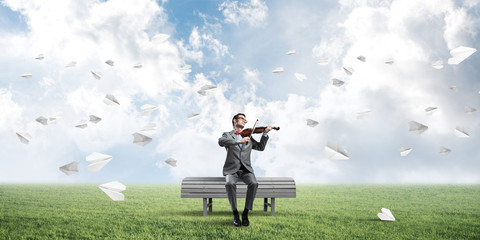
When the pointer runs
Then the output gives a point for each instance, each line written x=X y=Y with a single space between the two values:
x=236 y=155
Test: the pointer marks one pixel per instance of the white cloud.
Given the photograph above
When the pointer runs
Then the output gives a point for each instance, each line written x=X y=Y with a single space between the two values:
x=254 y=12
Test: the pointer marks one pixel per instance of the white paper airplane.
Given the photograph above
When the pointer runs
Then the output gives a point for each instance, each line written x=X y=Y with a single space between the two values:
x=337 y=82
x=95 y=119
x=444 y=150
x=334 y=151
x=138 y=65
x=186 y=69
x=147 y=109
x=405 y=151
x=70 y=168
x=193 y=115
x=291 y=52
x=430 y=110
x=40 y=57
x=300 y=77
x=110 y=62
x=416 y=127
x=97 y=161
x=203 y=90
x=348 y=70
x=54 y=119
x=48 y=81
x=390 y=61
x=71 y=64
x=24 y=137
x=278 y=70
x=160 y=38
x=172 y=162
x=141 y=139
x=81 y=124
x=149 y=129
x=454 y=88
x=111 y=100
x=459 y=54
x=26 y=75
x=361 y=58
x=438 y=64
x=363 y=114
x=386 y=215
x=96 y=75
x=322 y=61
x=113 y=190
x=460 y=132
x=311 y=123
x=42 y=120
x=470 y=110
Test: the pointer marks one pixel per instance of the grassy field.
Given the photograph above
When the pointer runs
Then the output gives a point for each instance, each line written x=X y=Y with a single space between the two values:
x=318 y=212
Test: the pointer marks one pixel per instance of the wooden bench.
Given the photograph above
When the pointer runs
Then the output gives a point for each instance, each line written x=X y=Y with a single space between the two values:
x=214 y=187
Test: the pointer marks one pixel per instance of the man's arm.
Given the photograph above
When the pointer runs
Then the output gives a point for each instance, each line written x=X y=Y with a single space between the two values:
x=226 y=140
x=260 y=146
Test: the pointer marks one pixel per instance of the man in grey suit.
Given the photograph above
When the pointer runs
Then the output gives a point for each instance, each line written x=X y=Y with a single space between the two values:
x=238 y=166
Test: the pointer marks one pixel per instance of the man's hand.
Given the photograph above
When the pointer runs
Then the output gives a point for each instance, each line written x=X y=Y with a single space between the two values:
x=244 y=140
x=268 y=128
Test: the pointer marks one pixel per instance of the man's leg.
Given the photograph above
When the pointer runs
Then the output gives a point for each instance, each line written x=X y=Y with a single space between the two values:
x=252 y=186
x=231 y=187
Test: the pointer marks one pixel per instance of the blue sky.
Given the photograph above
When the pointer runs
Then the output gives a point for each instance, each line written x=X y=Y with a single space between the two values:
x=235 y=46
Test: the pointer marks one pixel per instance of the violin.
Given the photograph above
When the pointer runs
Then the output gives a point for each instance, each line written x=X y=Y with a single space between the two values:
x=247 y=132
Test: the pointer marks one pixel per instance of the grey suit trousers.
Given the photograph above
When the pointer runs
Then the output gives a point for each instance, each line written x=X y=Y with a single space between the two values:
x=231 y=187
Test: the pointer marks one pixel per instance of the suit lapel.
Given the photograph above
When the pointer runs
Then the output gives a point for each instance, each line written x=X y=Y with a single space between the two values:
x=234 y=136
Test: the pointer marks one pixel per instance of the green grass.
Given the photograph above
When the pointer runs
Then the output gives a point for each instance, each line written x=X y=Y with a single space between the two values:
x=318 y=212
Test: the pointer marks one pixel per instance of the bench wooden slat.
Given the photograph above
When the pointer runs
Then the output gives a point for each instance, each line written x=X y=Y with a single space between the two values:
x=260 y=190
x=224 y=195
x=238 y=186
x=259 y=179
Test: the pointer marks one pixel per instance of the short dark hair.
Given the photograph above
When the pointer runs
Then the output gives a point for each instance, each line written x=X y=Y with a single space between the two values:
x=236 y=117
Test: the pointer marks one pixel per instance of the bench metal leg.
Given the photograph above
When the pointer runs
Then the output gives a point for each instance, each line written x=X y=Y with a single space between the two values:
x=271 y=205
x=204 y=207
x=210 y=204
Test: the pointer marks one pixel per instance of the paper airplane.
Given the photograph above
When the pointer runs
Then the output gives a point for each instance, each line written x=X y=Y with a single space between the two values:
x=111 y=100
x=113 y=190
x=386 y=215
x=311 y=123
x=95 y=119
x=81 y=124
x=470 y=110
x=96 y=75
x=438 y=64
x=460 y=132
x=138 y=65
x=361 y=58
x=205 y=88
x=149 y=129
x=48 y=81
x=193 y=115
x=291 y=52
x=334 y=151
x=40 y=57
x=186 y=69
x=348 y=70
x=24 y=137
x=70 y=168
x=444 y=150
x=405 y=151
x=300 y=77
x=110 y=62
x=42 y=120
x=454 y=88
x=337 y=82
x=172 y=162
x=71 y=64
x=141 y=139
x=147 y=109
x=97 y=161
x=363 y=114
x=278 y=70
x=459 y=54
x=26 y=75
x=54 y=119
x=430 y=110
x=390 y=61
x=322 y=61
x=416 y=127
x=160 y=38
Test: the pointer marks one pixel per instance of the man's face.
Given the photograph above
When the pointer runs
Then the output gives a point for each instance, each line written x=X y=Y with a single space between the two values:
x=241 y=121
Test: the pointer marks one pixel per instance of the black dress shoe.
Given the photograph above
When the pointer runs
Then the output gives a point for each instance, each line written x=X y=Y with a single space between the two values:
x=236 y=220
x=245 y=221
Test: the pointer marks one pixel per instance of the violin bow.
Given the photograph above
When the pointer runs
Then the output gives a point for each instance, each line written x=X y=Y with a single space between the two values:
x=253 y=129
